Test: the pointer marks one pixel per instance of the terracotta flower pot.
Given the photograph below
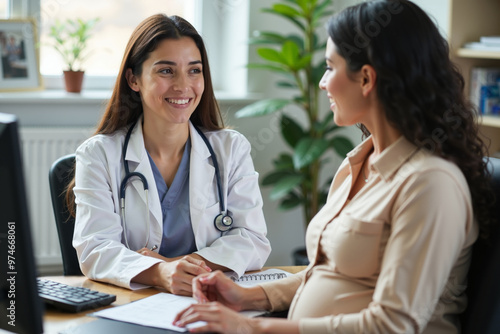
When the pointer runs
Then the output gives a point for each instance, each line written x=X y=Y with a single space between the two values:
x=73 y=81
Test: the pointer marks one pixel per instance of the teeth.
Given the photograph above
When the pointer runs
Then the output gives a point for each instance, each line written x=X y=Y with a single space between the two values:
x=183 y=101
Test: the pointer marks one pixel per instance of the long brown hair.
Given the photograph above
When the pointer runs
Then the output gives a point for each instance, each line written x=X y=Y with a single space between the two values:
x=125 y=106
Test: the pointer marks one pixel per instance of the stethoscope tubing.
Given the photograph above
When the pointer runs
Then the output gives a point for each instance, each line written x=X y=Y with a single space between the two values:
x=222 y=222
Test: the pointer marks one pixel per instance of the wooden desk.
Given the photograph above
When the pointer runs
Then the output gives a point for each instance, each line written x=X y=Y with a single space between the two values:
x=56 y=321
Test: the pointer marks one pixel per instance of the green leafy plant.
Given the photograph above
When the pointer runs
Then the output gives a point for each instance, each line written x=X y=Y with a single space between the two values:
x=296 y=175
x=70 y=40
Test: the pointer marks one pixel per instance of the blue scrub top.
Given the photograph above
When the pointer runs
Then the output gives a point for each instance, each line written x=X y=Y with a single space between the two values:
x=178 y=237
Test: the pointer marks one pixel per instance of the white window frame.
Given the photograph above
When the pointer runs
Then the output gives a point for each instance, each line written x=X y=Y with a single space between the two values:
x=224 y=26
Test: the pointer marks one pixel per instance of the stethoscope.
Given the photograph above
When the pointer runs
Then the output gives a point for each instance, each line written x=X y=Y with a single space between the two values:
x=222 y=222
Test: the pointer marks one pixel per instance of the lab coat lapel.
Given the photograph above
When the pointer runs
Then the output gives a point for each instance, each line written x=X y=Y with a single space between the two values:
x=138 y=160
x=201 y=175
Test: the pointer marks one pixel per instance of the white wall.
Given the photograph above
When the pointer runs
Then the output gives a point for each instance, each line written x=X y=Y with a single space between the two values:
x=439 y=10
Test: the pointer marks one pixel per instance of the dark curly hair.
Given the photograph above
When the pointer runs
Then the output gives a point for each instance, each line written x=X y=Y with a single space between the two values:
x=420 y=88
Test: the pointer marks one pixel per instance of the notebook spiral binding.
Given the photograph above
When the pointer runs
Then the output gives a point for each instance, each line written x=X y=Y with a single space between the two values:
x=260 y=277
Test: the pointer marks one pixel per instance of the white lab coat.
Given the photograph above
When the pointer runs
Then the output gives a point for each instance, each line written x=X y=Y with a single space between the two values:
x=98 y=237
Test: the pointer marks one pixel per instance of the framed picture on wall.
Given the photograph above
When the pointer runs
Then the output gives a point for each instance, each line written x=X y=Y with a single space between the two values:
x=19 y=68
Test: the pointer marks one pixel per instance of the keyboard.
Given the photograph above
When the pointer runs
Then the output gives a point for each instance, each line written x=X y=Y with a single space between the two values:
x=71 y=298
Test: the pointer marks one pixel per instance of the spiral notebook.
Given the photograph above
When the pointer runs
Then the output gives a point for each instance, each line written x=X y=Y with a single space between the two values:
x=261 y=277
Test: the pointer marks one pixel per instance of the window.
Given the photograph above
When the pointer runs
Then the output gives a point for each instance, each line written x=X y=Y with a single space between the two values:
x=222 y=23
x=110 y=35
x=3 y=9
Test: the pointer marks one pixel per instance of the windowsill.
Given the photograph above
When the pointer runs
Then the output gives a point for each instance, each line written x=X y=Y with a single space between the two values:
x=58 y=96
x=54 y=96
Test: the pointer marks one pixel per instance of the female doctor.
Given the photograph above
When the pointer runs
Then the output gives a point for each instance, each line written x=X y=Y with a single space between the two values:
x=163 y=191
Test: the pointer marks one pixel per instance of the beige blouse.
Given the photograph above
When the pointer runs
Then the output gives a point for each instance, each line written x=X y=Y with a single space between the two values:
x=394 y=259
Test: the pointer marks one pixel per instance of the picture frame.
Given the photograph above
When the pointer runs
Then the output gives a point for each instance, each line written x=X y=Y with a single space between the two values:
x=19 y=65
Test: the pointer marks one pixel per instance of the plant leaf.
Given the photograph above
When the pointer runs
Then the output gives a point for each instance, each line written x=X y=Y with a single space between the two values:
x=285 y=10
x=324 y=125
x=342 y=145
x=322 y=197
x=291 y=201
x=271 y=55
x=276 y=176
x=304 y=5
x=292 y=132
x=308 y=150
x=264 y=37
x=320 y=10
x=284 y=162
x=286 y=84
x=290 y=18
x=290 y=54
x=303 y=62
x=270 y=67
x=285 y=185
x=262 y=108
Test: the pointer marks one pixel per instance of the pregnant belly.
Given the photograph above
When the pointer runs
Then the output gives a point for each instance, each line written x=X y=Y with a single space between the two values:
x=326 y=293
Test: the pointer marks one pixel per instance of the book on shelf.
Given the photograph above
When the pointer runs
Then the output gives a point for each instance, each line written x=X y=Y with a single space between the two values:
x=490 y=40
x=485 y=89
x=482 y=46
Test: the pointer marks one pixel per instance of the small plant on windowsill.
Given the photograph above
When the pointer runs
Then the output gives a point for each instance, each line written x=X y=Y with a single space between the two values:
x=70 y=40
x=296 y=175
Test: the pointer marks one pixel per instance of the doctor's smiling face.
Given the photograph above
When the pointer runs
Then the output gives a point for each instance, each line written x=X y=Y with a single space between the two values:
x=171 y=82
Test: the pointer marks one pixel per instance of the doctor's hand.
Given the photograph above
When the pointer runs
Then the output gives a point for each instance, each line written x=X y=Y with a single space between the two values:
x=177 y=276
x=148 y=252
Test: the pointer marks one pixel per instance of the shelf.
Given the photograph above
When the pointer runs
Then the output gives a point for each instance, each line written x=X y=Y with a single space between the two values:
x=470 y=53
x=492 y=121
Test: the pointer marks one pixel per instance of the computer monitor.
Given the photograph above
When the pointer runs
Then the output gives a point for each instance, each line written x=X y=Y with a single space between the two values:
x=19 y=301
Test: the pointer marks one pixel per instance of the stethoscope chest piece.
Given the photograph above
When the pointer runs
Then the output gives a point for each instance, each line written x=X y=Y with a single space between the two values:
x=223 y=222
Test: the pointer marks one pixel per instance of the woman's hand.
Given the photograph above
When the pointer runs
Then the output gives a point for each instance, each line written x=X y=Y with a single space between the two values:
x=218 y=318
x=218 y=287
x=218 y=300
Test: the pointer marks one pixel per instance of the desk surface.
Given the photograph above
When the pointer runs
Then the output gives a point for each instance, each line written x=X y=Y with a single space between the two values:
x=55 y=321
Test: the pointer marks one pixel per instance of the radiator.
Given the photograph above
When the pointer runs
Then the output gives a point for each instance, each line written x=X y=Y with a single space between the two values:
x=40 y=148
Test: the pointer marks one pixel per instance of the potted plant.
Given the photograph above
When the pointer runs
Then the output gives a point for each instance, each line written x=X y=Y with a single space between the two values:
x=296 y=175
x=70 y=41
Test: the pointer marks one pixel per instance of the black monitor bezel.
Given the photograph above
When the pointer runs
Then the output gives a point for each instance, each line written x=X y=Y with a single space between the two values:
x=18 y=285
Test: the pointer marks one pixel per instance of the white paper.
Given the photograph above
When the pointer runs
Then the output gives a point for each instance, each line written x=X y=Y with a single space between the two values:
x=155 y=311
x=159 y=310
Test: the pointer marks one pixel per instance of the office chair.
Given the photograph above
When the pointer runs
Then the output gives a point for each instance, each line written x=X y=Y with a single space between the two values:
x=60 y=174
x=483 y=289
